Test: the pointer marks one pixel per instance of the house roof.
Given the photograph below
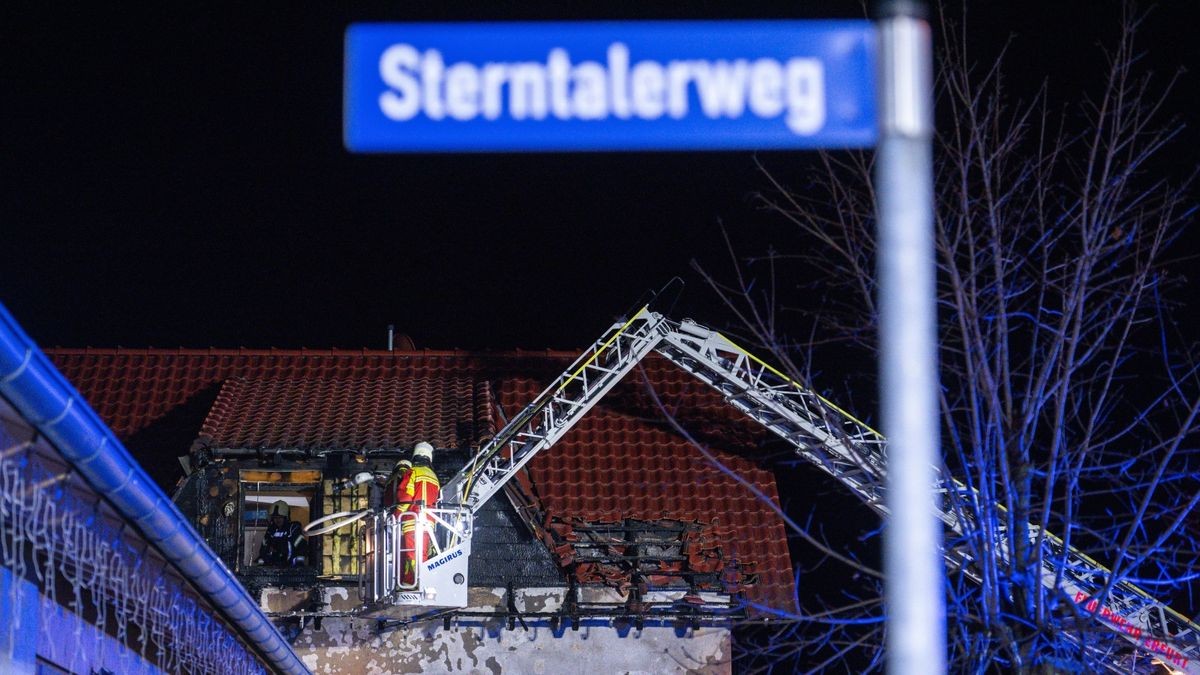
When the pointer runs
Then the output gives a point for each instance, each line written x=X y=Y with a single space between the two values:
x=363 y=414
x=622 y=462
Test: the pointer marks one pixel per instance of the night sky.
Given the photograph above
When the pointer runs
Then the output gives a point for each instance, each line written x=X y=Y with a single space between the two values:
x=175 y=177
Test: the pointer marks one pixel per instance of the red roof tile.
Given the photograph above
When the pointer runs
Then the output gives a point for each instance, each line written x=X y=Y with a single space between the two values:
x=133 y=389
x=360 y=414
x=623 y=461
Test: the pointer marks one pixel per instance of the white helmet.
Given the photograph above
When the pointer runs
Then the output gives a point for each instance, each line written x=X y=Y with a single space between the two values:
x=423 y=449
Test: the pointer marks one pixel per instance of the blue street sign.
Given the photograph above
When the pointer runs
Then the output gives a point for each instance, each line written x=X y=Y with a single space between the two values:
x=679 y=85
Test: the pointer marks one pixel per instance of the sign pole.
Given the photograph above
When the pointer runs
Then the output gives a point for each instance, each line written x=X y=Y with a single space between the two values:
x=914 y=573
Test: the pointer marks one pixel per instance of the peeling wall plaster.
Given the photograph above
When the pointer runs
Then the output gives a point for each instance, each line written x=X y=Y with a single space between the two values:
x=344 y=646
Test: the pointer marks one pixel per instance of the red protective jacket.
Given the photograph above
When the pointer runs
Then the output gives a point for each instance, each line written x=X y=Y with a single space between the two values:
x=418 y=484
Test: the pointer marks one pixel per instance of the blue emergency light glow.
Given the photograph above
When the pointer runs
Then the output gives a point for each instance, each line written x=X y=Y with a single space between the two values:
x=609 y=86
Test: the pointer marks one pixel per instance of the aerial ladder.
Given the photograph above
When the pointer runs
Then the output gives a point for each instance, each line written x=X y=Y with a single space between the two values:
x=820 y=432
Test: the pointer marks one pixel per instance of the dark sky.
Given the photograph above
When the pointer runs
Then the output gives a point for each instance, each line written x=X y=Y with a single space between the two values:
x=175 y=176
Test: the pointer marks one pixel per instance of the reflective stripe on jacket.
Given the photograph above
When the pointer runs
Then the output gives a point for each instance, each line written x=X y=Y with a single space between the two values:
x=418 y=484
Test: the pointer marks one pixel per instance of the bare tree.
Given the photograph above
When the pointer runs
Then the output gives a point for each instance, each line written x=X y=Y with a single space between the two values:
x=1069 y=396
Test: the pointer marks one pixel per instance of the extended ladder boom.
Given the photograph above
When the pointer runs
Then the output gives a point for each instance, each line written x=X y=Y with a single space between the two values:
x=825 y=435
x=557 y=409
x=854 y=454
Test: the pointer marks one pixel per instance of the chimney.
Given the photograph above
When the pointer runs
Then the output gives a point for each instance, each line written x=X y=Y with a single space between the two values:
x=391 y=337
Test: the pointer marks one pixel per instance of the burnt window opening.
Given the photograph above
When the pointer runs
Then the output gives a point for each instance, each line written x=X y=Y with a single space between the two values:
x=275 y=507
x=650 y=555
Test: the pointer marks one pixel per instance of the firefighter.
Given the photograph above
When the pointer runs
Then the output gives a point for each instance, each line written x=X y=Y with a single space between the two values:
x=284 y=544
x=416 y=489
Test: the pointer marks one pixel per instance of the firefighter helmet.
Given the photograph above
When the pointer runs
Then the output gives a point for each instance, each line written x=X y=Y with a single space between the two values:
x=281 y=508
x=423 y=449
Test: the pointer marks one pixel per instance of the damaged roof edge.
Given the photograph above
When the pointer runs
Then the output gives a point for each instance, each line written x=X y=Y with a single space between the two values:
x=50 y=403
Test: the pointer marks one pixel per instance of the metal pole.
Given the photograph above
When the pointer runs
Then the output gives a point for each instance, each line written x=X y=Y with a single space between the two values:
x=916 y=612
